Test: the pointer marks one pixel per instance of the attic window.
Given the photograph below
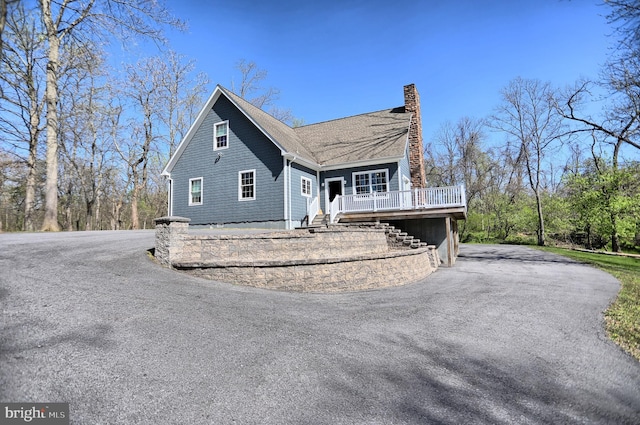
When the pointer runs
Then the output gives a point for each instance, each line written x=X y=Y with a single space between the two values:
x=221 y=135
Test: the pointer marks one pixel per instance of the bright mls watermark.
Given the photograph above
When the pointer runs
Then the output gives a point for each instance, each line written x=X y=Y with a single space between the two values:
x=34 y=413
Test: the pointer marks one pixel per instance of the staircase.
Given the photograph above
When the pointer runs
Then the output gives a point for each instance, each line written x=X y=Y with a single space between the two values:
x=320 y=220
x=399 y=239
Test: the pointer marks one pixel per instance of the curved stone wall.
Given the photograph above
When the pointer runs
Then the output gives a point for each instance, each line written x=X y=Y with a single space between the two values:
x=338 y=258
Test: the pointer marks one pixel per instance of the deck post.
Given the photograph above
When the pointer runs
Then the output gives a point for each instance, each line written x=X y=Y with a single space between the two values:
x=449 y=242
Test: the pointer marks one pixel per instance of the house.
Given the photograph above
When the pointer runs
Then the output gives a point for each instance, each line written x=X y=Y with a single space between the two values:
x=239 y=167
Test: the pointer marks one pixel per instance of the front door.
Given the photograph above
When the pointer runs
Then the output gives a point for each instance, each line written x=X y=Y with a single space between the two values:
x=335 y=189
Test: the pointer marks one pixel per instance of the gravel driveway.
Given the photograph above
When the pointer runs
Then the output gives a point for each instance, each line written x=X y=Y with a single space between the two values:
x=509 y=335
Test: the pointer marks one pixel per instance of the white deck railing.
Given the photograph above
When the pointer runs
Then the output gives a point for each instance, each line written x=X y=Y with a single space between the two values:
x=313 y=207
x=415 y=199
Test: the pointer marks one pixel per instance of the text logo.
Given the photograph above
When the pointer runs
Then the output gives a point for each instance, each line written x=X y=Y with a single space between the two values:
x=34 y=413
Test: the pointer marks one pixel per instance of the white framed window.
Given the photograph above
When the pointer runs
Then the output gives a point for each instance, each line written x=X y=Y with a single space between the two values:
x=195 y=191
x=305 y=187
x=370 y=181
x=221 y=135
x=247 y=185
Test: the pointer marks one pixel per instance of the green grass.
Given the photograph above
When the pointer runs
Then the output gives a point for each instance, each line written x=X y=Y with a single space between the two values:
x=623 y=316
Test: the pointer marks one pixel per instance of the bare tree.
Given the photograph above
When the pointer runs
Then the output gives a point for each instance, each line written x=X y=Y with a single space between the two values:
x=529 y=118
x=145 y=91
x=183 y=97
x=22 y=107
x=85 y=19
x=625 y=16
x=4 y=13
x=251 y=89
x=457 y=156
x=83 y=125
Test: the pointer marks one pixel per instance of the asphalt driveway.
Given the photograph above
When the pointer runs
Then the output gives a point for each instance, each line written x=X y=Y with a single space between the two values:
x=509 y=335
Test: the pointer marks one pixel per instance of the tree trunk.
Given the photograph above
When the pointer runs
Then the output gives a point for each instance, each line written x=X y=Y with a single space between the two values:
x=3 y=20
x=541 y=236
x=30 y=190
x=134 y=205
x=98 y=219
x=34 y=131
x=68 y=210
x=50 y=222
x=615 y=238
x=89 y=219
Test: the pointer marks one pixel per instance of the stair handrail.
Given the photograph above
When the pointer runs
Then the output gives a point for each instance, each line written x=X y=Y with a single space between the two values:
x=334 y=208
x=313 y=207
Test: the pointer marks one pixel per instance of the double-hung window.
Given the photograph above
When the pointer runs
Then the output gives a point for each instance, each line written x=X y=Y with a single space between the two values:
x=221 y=135
x=195 y=191
x=370 y=181
x=247 y=185
x=306 y=187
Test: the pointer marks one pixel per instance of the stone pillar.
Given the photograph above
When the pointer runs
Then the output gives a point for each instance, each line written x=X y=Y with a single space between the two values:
x=416 y=146
x=170 y=232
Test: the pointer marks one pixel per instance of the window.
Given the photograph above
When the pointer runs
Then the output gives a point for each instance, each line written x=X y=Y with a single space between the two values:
x=306 y=187
x=221 y=135
x=195 y=191
x=247 y=185
x=370 y=181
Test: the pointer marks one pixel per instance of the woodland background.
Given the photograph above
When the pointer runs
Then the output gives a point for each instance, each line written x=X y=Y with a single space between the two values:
x=82 y=145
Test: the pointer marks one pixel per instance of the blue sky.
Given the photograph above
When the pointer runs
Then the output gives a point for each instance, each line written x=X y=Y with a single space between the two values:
x=338 y=58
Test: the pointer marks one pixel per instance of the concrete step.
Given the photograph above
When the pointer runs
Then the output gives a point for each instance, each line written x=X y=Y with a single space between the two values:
x=402 y=236
x=408 y=240
x=320 y=220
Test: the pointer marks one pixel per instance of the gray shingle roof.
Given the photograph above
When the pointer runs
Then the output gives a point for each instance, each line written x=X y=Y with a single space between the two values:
x=375 y=135
x=365 y=137
x=281 y=133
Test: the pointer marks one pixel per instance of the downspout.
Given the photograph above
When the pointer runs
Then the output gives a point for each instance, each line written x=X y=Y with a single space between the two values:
x=286 y=192
x=290 y=212
x=318 y=189
x=169 y=196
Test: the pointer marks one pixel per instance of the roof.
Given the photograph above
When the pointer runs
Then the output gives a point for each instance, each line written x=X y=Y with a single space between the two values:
x=279 y=132
x=365 y=137
x=370 y=137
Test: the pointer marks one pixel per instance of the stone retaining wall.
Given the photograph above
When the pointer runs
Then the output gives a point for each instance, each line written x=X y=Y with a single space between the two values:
x=338 y=258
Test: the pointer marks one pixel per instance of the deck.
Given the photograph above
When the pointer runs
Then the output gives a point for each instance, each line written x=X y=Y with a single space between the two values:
x=416 y=203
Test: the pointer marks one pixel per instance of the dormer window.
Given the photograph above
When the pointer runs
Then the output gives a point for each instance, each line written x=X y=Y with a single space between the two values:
x=221 y=135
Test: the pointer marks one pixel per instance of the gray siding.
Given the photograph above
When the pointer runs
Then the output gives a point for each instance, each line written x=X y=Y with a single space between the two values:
x=299 y=202
x=249 y=149
x=348 y=176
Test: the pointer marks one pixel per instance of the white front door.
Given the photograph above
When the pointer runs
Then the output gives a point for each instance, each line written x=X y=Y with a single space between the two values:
x=333 y=187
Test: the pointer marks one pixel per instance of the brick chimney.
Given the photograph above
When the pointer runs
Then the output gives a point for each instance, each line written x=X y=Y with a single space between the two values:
x=416 y=148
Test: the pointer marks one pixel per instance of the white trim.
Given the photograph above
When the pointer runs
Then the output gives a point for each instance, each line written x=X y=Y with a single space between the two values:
x=307 y=163
x=217 y=92
x=406 y=183
x=215 y=138
x=327 y=180
x=302 y=186
x=290 y=226
x=192 y=131
x=318 y=188
x=354 y=173
x=240 y=198
x=170 y=190
x=286 y=192
x=363 y=163
x=301 y=161
x=191 y=203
